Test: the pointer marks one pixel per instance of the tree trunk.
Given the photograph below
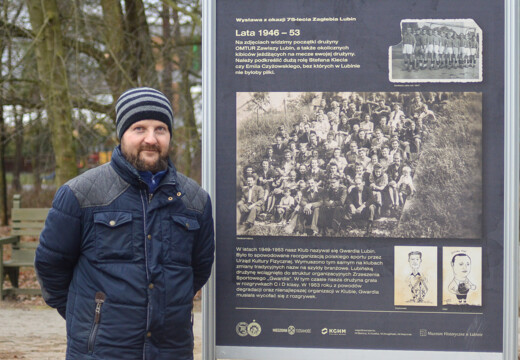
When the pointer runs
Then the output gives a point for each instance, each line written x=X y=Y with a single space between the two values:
x=36 y=153
x=18 y=142
x=119 y=77
x=167 y=76
x=3 y=182
x=45 y=22
x=139 y=35
x=186 y=109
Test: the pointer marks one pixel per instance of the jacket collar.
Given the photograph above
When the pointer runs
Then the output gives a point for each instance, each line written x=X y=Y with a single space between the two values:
x=131 y=175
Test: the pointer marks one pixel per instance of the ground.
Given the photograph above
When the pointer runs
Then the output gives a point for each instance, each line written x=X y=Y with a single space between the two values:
x=33 y=331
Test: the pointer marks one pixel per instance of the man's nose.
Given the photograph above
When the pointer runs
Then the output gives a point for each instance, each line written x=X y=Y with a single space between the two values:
x=150 y=137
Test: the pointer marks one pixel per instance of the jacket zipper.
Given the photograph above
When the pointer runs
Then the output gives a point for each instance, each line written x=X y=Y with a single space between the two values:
x=145 y=204
x=100 y=299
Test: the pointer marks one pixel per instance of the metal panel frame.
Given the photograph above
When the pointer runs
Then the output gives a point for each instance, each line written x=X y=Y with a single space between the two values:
x=511 y=212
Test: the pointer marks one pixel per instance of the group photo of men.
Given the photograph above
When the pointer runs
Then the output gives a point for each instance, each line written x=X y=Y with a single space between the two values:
x=437 y=49
x=332 y=167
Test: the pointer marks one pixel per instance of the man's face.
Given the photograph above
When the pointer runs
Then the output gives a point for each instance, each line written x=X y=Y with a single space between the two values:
x=145 y=145
x=461 y=266
x=384 y=152
x=314 y=164
x=292 y=175
x=397 y=158
x=334 y=184
x=337 y=153
x=265 y=165
x=353 y=147
x=359 y=168
x=415 y=261
x=303 y=169
x=359 y=184
x=377 y=172
x=311 y=183
x=333 y=168
x=250 y=181
x=287 y=156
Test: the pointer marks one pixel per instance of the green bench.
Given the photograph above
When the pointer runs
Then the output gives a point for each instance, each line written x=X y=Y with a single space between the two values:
x=26 y=222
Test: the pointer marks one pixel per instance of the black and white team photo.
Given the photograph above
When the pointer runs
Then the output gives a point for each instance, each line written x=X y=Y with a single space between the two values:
x=437 y=51
x=349 y=164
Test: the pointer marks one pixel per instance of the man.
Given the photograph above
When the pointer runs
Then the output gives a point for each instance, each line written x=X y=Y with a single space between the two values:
x=417 y=282
x=408 y=48
x=250 y=203
x=127 y=245
x=334 y=206
x=461 y=284
x=310 y=207
x=361 y=204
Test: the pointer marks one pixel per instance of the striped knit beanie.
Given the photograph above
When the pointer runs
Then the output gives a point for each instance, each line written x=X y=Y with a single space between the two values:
x=142 y=104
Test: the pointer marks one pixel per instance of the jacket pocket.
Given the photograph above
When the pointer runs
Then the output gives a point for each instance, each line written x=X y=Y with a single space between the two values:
x=100 y=299
x=181 y=230
x=114 y=235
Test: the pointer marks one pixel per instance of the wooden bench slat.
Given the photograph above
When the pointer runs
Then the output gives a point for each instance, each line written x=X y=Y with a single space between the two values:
x=28 y=224
x=29 y=245
x=27 y=232
x=29 y=214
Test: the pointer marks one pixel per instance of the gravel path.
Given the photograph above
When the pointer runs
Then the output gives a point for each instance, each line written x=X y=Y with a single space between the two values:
x=38 y=332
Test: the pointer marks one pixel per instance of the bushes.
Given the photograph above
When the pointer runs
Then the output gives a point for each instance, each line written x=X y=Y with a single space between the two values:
x=448 y=177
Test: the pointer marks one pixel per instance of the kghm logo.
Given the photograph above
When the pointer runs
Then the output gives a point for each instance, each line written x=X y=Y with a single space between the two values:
x=253 y=329
x=327 y=331
x=291 y=330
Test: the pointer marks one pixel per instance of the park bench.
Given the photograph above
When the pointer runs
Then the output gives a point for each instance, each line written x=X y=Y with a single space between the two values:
x=26 y=222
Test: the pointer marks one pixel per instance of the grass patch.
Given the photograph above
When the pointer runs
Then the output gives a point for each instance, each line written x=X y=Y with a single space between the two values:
x=448 y=177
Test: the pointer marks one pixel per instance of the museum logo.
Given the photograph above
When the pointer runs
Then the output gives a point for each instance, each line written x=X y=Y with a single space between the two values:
x=327 y=331
x=291 y=330
x=252 y=329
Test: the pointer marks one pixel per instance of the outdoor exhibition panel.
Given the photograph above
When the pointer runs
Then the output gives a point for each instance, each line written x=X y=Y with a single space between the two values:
x=361 y=170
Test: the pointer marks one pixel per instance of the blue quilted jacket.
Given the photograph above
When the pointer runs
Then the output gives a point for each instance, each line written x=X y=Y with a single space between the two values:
x=122 y=265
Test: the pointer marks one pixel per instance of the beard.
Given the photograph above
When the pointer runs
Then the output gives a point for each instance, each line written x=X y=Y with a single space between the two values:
x=140 y=164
